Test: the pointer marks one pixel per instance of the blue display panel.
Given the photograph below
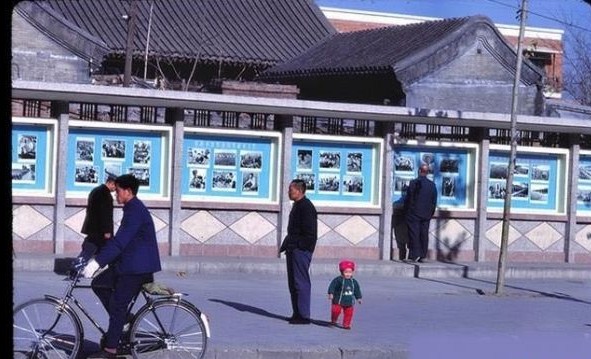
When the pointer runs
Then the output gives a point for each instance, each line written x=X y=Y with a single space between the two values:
x=32 y=149
x=535 y=181
x=584 y=183
x=337 y=171
x=450 y=169
x=232 y=166
x=95 y=153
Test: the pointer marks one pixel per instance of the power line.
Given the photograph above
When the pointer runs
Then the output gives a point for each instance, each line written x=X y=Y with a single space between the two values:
x=562 y=22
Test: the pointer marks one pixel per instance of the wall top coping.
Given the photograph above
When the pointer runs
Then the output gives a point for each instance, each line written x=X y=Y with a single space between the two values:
x=86 y=93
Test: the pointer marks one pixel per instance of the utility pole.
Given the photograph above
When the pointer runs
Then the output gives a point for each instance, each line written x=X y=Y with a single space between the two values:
x=512 y=156
x=130 y=17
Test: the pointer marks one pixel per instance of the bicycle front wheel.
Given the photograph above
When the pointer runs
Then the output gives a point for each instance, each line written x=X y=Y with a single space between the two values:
x=167 y=329
x=42 y=328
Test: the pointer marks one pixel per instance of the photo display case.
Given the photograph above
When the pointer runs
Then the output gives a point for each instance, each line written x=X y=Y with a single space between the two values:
x=338 y=170
x=451 y=168
x=230 y=165
x=33 y=156
x=584 y=183
x=95 y=152
x=538 y=179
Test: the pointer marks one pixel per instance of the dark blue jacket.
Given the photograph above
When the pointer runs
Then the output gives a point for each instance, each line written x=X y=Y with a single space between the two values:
x=134 y=249
x=421 y=198
x=302 y=228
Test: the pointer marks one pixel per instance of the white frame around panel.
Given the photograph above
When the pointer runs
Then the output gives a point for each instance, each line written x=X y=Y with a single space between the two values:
x=274 y=174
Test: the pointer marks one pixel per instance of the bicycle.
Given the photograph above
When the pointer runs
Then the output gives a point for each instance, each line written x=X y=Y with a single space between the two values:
x=51 y=327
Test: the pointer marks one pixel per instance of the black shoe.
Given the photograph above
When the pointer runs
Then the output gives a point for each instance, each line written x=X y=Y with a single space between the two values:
x=418 y=260
x=299 y=321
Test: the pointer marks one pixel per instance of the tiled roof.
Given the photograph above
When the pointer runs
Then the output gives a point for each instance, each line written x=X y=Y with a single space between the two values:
x=262 y=32
x=386 y=49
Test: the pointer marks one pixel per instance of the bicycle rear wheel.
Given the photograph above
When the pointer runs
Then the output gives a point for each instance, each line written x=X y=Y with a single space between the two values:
x=42 y=328
x=168 y=329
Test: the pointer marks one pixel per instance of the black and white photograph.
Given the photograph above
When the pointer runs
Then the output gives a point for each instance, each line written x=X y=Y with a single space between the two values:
x=27 y=147
x=539 y=192
x=113 y=149
x=584 y=171
x=251 y=160
x=87 y=174
x=584 y=195
x=84 y=149
x=224 y=158
x=428 y=159
x=142 y=174
x=352 y=184
x=521 y=169
x=448 y=186
x=449 y=165
x=328 y=183
x=250 y=182
x=540 y=173
x=198 y=156
x=197 y=179
x=498 y=171
x=23 y=172
x=497 y=190
x=111 y=169
x=329 y=160
x=223 y=181
x=304 y=160
x=309 y=179
x=354 y=161
x=401 y=183
x=404 y=164
x=142 y=151
x=520 y=190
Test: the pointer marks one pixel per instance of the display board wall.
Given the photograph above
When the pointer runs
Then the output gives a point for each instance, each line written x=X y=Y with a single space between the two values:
x=451 y=168
x=95 y=152
x=33 y=156
x=230 y=165
x=338 y=171
x=539 y=179
x=584 y=184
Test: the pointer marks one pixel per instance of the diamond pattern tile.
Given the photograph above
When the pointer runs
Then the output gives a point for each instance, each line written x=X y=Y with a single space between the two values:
x=355 y=229
x=27 y=221
x=158 y=223
x=202 y=226
x=75 y=222
x=543 y=236
x=252 y=227
x=452 y=231
x=322 y=229
x=494 y=234
x=584 y=237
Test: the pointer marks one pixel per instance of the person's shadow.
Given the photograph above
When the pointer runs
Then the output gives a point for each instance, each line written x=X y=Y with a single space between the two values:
x=254 y=310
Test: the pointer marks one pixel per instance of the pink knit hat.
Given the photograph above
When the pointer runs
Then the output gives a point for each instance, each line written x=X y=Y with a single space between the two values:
x=346 y=264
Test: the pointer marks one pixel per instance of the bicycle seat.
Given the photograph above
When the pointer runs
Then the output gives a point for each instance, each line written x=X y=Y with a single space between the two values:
x=154 y=288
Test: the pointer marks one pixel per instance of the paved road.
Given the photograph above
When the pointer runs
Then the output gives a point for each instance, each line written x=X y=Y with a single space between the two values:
x=414 y=318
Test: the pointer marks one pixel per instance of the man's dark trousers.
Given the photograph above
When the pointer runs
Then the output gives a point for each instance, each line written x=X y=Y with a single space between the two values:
x=298 y=280
x=418 y=233
x=116 y=291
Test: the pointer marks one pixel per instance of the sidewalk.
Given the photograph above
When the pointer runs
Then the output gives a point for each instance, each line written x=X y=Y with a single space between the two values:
x=251 y=265
x=400 y=318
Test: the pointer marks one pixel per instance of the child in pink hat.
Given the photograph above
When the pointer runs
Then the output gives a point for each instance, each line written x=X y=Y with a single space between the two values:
x=343 y=291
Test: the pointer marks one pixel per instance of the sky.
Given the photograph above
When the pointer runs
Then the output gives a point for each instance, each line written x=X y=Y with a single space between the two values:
x=542 y=13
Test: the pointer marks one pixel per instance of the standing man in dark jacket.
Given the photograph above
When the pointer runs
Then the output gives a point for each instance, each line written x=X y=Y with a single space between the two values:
x=420 y=203
x=133 y=258
x=98 y=223
x=298 y=245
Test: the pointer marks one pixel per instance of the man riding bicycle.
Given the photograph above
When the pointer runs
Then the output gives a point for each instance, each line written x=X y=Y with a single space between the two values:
x=132 y=257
